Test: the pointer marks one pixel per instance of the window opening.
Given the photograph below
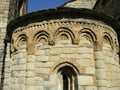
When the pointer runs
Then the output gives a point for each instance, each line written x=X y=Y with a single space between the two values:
x=69 y=78
x=65 y=82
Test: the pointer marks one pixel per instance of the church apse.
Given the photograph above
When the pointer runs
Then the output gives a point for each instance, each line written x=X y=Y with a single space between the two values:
x=63 y=51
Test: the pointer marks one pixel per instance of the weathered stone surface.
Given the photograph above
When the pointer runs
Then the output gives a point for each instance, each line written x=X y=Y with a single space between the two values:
x=55 y=51
x=99 y=55
x=84 y=62
x=43 y=70
x=81 y=4
x=30 y=58
x=43 y=52
x=91 y=88
x=69 y=50
x=90 y=70
x=102 y=88
x=39 y=88
x=100 y=64
x=100 y=74
x=101 y=83
x=42 y=58
x=85 y=80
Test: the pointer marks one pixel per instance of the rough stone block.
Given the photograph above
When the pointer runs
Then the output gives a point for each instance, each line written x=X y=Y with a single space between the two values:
x=62 y=55
x=80 y=87
x=108 y=83
x=108 y=75
x=30 y=58
x=72 y=56
x=30 y=74
x=21 y=80
x=101 y=83
x=44 y=65
x=54 y=58
x=85 y=80
x=100 y=64
x=20 y=73
x=30 y=81
x=69 y=50
x=87 y=56
x=90 y=70
x=102 y=88
x=30 y=66
x=47 y=52
x=84 y=62
x=52 y=88
x=30 y=87
x=58 y=45
x=100 y=74
x=85 y=43
x=90 y=88
x=42 y=58
x=64 y=42
x=44 y=47
x=40 y=52
x=5 y=88
x=55 y=51
x=43 y=70
x=22 y=61
x=84 y=50
x=39 y=88
x=21 y=67
x=99 y=55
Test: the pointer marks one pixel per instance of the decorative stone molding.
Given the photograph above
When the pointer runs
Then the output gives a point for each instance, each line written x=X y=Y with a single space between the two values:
x=64 y=34
x=50 y=32
x=41 y=36
x=87 y=34
x=65 y=22
x=63 y=63
x=21 y=40
x=107 y=38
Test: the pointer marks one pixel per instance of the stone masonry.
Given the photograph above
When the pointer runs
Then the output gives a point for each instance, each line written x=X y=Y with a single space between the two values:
x=8 y=11
x=58 y=49
x=43 y=50
x=4 y=8
x=81 y=4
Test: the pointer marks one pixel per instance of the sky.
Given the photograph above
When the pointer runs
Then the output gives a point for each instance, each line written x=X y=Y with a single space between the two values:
x=35 y=5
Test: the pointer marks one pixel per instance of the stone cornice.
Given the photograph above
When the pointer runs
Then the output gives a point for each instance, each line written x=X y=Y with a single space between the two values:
x=61 y=13
x=65 y=22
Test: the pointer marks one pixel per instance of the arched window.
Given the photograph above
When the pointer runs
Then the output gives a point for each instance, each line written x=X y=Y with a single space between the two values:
x=67 y=78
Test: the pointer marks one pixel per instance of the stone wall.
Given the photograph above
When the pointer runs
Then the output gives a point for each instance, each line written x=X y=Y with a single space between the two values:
x=81 y=4
x=111 y=68
x=4 y=11
x=8 y=11
x=40 y=50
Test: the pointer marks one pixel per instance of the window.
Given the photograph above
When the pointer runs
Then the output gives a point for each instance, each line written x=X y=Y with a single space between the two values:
x=68 y=78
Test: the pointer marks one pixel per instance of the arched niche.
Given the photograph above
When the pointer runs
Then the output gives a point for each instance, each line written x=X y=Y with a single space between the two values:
x=86 y=37
x=21 y=40
x=64 y=34
x=107 y=40
x=41 y=37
